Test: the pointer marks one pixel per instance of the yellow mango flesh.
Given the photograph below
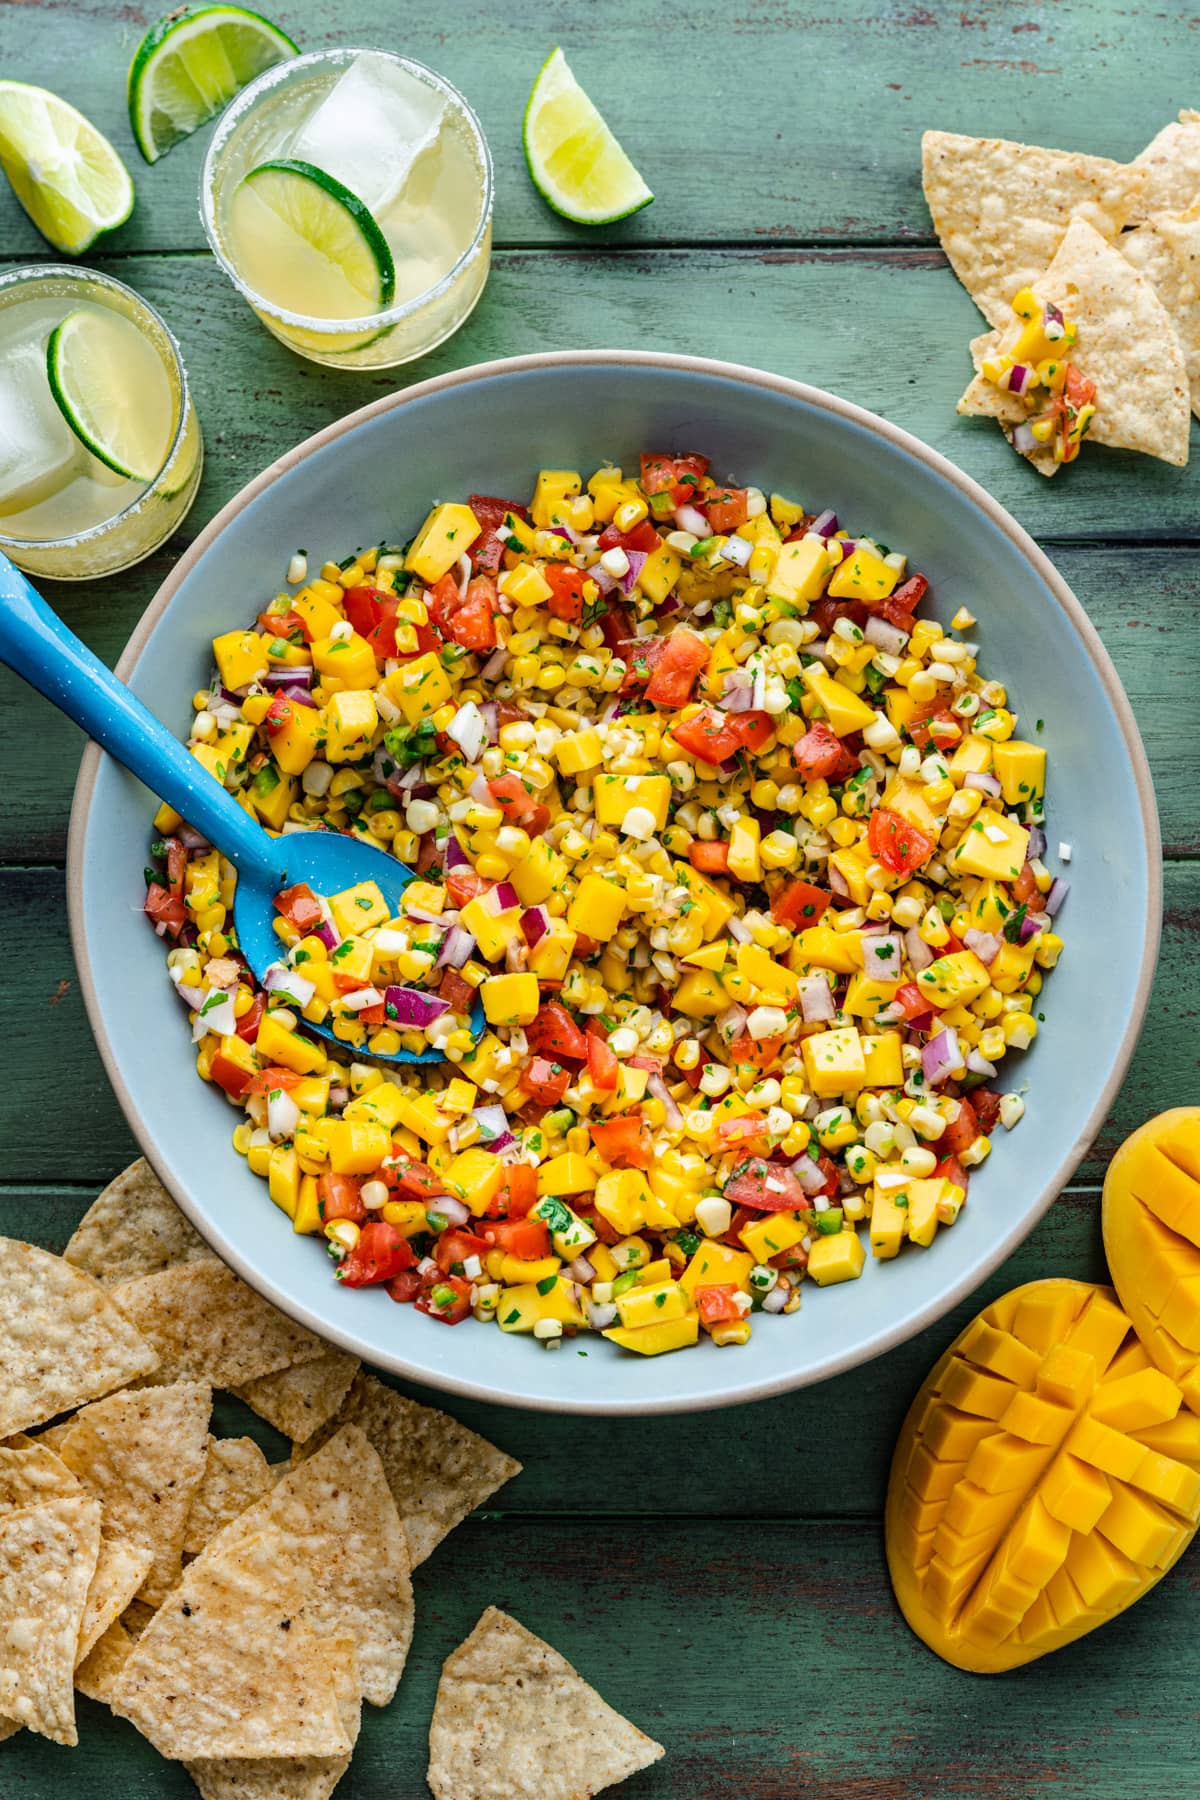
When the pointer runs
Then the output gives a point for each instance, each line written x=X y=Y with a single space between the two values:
x=1152 y=1240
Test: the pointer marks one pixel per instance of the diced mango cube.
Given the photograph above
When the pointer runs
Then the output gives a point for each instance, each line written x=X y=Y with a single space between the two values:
x=597 y=908
x=834 y=1062
x=992 y=846
x=357 y=909
x=241 y=657
x=447 y=532
x=864 y=576
x=510 y=999
x=843 y=710
x=419 y=687
x=839 y=1257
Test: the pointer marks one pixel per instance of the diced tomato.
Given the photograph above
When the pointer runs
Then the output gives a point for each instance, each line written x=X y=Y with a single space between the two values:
x=608 y=1234
x=566 y=591
x=987 y=1109
x=373 y=1015
x=545 y=1082
x=828 y=1169
x=554 y=1033
x=718 y=1305
x=766 y=1187
x=726 y=508
x=176 y=866
x=1025 y=887
x=526 y=1238
x=709 y=735
x=517 y=1193
x=826 y=612
x=164 y=908
x=230 y=1075
x=405 y=1286
x=278 y=715
x=463 y=885
x=643 y=537
x=274 y=1077
x=679 y=476
x=247 y=1025
x=1077 y=389
x=898 y=608
x=615 y=625
x=340 y=1197
x=742 y=1216
x=380 y=1254
x=513 y=798
x=603 y=1066
x=961 y=1133
x=641 y=657
x=281 y=625
x=710 y=858
x=453 y=1248
x=300 y=907
x=487 y=551
x=412 y=1180
x=754 y=729
x=820 y=755
x=682 y=658
x=744 y=1133
x=949 y=1168
x=758 y=1053
x=799 y=904
x=472 y=623
x=373 y=614
x=441 y=600
x=623 y=1142
x=897 y=843
x=458 y=992
x=933 y=723
x=914 y=1005
x=446 y=1297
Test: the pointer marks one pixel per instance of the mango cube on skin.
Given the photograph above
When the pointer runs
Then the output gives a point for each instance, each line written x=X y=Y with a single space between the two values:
x=419 y=687
x=511 y=999
x=241 y=657
x=1020 y=768
x=355 y=1147
x=448 y=531
x=801 y=572
x=618 y=795
x=993 y=846
x=843 y=710
x=834 y=1062
x=839 y=1257
x=345 y=662
x=954 y=980
x=350 y=723
x=597 y=908
x=864 y=576
x=653 y=1340
x=717 y=1265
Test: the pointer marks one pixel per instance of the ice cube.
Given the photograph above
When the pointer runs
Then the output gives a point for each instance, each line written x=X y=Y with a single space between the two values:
x=38 y=450
x=370 y=129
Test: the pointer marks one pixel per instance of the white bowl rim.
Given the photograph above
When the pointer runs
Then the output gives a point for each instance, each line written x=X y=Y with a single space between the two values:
x=940 y=1300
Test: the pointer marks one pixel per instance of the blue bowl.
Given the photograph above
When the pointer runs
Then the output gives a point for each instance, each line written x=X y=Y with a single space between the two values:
x=488 y=430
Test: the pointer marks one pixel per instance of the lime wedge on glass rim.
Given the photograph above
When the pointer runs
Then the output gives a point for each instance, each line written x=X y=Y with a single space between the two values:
x=189 y=67
x=64 y=172
x=110 y=387
x=574 y=161
x=335 y=227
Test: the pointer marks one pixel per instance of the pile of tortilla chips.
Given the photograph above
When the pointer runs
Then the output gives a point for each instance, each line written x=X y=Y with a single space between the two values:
x=1114 y=246
x=239 y=1613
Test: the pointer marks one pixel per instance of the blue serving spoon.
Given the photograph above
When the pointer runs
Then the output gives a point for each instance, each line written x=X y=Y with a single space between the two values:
x=36 y=644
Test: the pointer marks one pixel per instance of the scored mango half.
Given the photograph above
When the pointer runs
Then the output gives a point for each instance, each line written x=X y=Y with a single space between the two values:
x=1152 y=1240
x=1047 y=1475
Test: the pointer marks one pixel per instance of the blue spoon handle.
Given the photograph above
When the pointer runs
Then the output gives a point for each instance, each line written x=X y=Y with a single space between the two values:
x=37 y=645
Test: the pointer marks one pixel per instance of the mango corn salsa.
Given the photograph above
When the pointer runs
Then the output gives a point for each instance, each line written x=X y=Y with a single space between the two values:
x=731 y=898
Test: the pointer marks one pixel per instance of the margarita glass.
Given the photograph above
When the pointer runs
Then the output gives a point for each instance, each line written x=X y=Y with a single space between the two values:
x=100 y=449
x=348 y=196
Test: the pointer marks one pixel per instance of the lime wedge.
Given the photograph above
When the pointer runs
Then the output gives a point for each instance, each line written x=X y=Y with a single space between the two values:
x=110 y=386
x=66 y=175
x=310 y=245
x=189 y=67
x=575 y=162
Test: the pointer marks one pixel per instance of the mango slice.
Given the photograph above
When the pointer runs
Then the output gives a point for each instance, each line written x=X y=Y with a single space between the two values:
x=1152 y=1240
x=1045 y=1478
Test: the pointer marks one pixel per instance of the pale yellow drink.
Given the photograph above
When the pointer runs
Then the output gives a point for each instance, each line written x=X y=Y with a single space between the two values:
x=421 y=169
x=64 y=511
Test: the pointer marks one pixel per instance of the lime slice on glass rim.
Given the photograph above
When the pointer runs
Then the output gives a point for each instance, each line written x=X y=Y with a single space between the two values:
x=100 y=368
x=189 y=67
x=575 y=162
x=64 y=172
x=333 y=222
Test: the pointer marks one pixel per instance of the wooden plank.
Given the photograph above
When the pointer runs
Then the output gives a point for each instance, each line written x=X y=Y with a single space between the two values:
x=828 y=148
x=1144 y=601
x=770 y=1460
x=55 y=1074
x=769 y=1659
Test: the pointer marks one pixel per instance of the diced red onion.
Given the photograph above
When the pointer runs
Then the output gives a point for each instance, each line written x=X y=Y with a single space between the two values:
x=192 y=997
x=738 y=696
x=982 y=784
x=637 y=562
x=367 y=996
x=338 y=1097
x=453 y=854
x=283 y=1115
x=889 y=638
x=328 y=934
x=1051 y=314
x=191 y=839
x=737 y=550
x=457 y=948
x=1059 y=889
x=838 y=882
x=919 y=953
x=403 y=783
x=941 y=1057
x=603 y=580
x=281 y=980
x=502 y=898
x=690 y=518
x=491 y=719
x=1031 y=924
x=808 y=1174
x=468 y=728
x=978 y=1064
x=889 y=1015
x=1037 y=843
x=414 y=1006
x=739 y=930
x=581 y=1270
x=1018 y=378
x=984 y=944
x=824 y=525
x=658 y=1087
x=423 y=916
x=480 y=791
x=492 y=1121
x=450 y=1207
x=881 y=957
x=599 y=1317
x=816 y=999
x=535 y=922
x=216 y=1014
x=493 y=668
x=777 y=1299
x=1023 y=439
x=731 y=1023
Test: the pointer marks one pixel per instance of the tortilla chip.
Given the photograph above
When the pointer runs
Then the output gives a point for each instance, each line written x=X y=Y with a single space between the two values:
x=31 y=1472
x=136 y=1617
x=226 y=1668
x=1172 y=165
x=1001 y=208
x=48 y=1555
x=121 y=1568
x=299 y=1400
x=206 y=1325
x=62 y=1340
x=236 y=1474
x=134 y=1228
x=983 y=399
x=143 y=1455
x=288 y=1778
x=513 y=1721
x=438 y=1471
x=338 y=1551
x=99 y=1672
x=1166 y=250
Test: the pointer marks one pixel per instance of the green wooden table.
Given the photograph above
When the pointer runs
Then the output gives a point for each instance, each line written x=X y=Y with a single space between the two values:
x=721 y=1578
